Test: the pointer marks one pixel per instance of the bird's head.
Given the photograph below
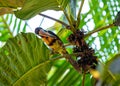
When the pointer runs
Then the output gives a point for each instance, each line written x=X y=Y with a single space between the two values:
x=37 y=30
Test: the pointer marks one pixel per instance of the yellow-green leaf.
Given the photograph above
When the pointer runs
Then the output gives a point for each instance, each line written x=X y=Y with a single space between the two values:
x=23 y=61
x=33 y=7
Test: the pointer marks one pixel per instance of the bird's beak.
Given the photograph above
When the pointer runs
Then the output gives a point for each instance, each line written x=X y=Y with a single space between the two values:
x=44 y=33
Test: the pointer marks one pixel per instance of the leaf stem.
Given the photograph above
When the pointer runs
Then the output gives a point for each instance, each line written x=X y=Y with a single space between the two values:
x=6 y=25
x=41 y=21
x=70 y=60
x=63 y=23
x=99 y=29
x=83 y=79
x=70 y=22
x=79 y=12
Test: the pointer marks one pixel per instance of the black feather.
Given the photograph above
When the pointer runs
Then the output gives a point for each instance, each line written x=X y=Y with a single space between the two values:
x=50 y=32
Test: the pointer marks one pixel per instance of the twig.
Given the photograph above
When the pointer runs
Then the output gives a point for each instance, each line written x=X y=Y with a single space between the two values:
x=28 y=25
x=68 y=44
x=71 y=25
x=62 y=56
x=70 y=22
x=73 y=63
x=63 y=23
x=41 y=21
x=99 y=29
x=70 y=60
x=79 y=12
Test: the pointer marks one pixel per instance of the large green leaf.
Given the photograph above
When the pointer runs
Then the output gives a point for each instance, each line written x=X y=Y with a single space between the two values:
x=11 y=4
x=33 y=7
x=7 y=6
x=23 y=61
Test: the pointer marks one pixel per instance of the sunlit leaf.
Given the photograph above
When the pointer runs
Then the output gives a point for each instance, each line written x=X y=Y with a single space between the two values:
x=5 y=10
x=11 y=4
x=7 y=6
x=33 y=7
x=23 y=61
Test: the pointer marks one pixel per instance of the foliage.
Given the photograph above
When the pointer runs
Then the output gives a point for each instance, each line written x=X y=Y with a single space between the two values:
x=21 y=59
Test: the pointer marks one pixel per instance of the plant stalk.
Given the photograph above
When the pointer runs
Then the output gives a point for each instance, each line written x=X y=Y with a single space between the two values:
x=83 y=80
x=79 y=12
x=63 y=23
x=99 y=29
x=70 y=22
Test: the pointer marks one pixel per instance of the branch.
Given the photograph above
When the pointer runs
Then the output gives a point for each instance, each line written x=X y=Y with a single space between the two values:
x=41 y=21
x=83 y=80
x=99 y=29
x=79 y=12
x=69 y=20
x=63 y=23
x=69 y=59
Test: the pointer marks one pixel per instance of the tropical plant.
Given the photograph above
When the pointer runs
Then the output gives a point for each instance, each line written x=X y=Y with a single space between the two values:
x=26 y=61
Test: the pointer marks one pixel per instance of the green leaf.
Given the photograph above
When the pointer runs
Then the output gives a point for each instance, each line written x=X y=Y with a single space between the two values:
x=5 y=10
x=33 y=7
x=11 y=4
x=24 y=61
x=62 y=73
x=7 y=6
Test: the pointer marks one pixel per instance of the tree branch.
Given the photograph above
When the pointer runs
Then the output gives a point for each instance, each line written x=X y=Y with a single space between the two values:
x=79 y=12
x=69 y=59
x=63 y=23
x=83 y=80
x=99 y=29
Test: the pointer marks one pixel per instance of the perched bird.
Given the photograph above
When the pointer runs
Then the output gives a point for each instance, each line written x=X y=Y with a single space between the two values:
x=52 y=40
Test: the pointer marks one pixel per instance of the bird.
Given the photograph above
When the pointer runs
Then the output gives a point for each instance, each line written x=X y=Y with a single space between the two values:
x=52 y=40
x=56 y=44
